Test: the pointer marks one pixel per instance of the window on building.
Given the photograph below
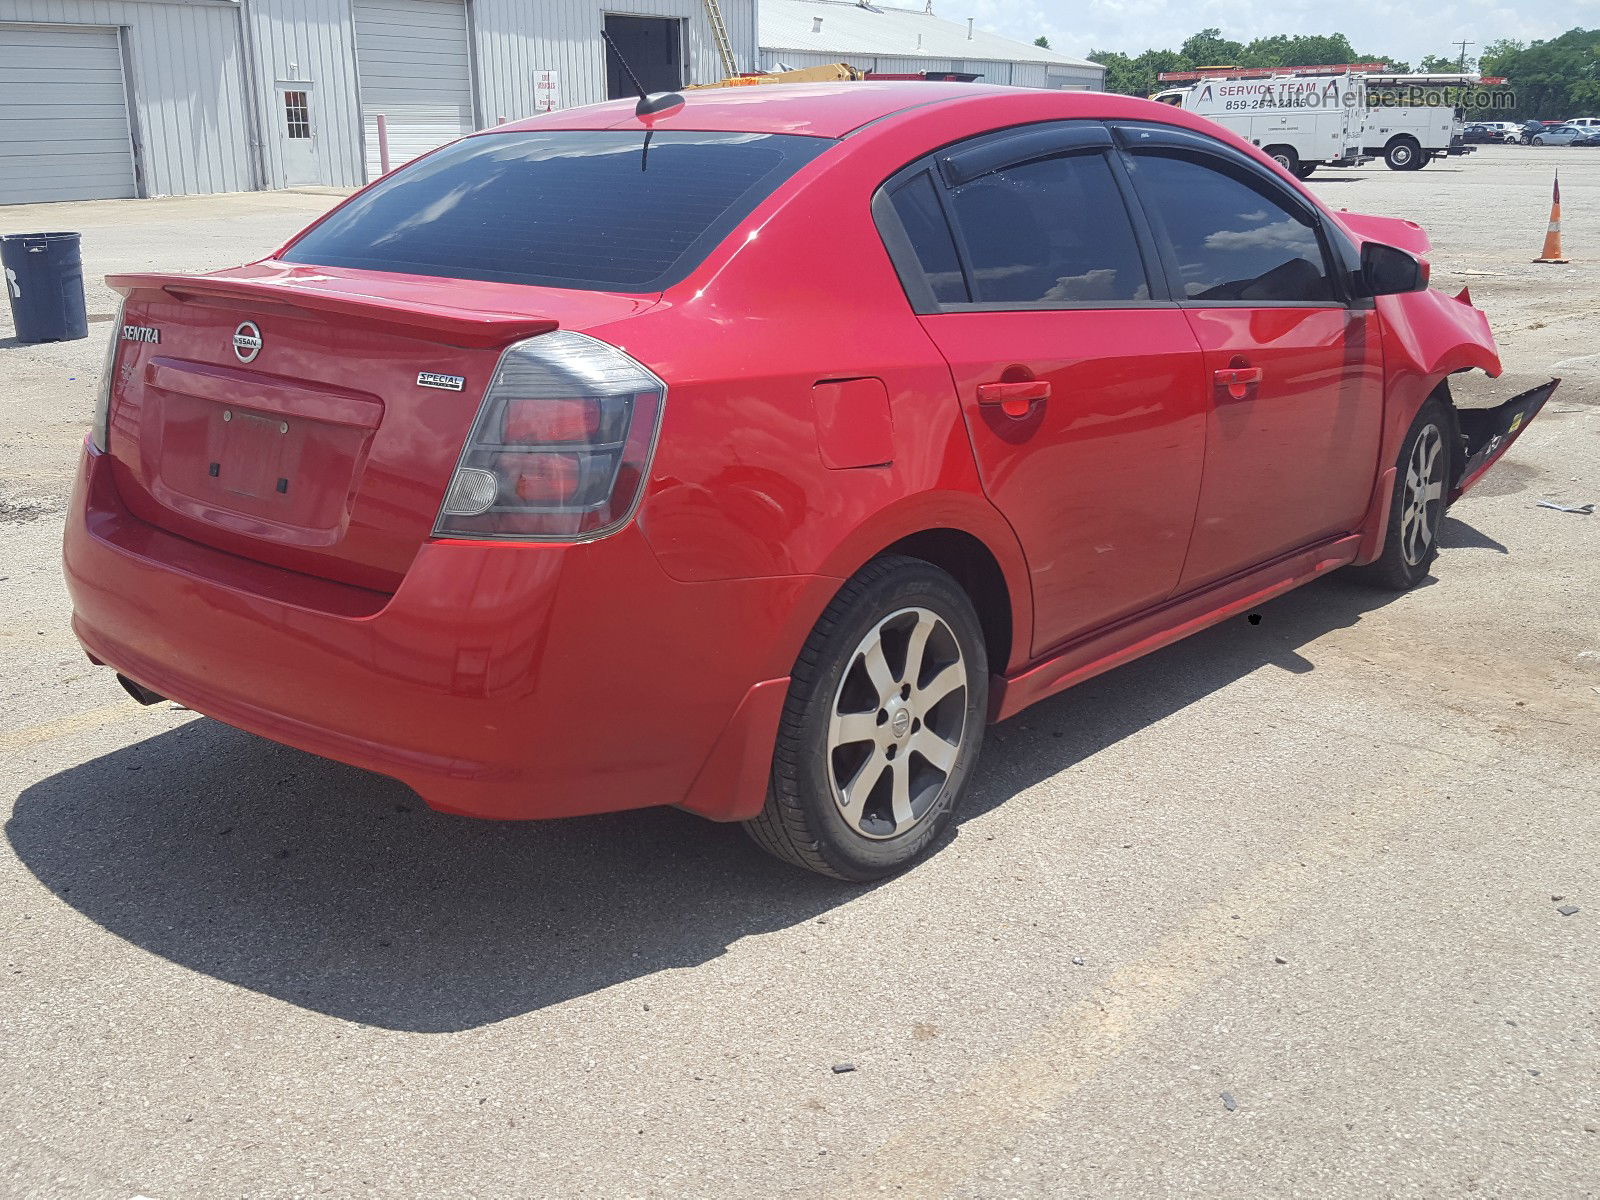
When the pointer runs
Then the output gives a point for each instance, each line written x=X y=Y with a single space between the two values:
x=297 y=114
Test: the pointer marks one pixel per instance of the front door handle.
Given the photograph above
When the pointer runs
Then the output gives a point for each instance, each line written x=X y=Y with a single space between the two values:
x=1015 y=399
x=1237 y=380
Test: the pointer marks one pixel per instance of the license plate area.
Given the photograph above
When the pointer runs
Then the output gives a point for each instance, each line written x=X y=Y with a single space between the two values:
x=257 y=456
x=282 y=477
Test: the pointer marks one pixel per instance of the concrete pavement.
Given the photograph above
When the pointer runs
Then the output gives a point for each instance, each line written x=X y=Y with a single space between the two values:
x=1314 y=863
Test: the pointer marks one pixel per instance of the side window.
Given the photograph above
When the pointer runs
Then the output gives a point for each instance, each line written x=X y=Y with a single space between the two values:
x=917 y=206
x=1054 y=229
x=1230 y=241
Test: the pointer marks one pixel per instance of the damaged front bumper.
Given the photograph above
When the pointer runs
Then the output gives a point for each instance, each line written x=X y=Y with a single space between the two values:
x=1488 y=432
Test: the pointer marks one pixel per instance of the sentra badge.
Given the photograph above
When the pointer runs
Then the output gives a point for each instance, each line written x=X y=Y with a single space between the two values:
x=449 y=383
x=141 y=333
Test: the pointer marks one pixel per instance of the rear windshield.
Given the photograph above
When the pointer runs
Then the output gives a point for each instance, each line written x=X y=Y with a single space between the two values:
x=595 y=210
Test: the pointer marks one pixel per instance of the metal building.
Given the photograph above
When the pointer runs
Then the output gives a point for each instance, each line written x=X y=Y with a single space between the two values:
x=879 y=38
x=116 y=98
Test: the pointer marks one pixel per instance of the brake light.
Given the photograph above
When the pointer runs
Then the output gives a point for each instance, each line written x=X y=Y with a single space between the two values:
x=557 y=419
x=100 y=429
x=561 y=444
x=545 y=479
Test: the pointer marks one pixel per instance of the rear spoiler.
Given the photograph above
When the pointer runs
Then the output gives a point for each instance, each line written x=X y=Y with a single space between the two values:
x=320 y=294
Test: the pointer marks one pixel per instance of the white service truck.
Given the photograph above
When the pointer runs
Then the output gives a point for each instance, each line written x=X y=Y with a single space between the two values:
x=1303 y=121
x=1404 y=130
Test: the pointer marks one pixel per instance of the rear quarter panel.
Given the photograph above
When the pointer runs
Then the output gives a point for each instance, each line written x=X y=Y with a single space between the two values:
x=740 y=486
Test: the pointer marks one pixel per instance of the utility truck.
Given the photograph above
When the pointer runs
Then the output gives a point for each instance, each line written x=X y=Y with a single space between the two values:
x=1406 y=126
x=1304 y=117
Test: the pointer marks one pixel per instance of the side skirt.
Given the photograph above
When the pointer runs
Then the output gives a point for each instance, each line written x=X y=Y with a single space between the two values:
x=1098 y=652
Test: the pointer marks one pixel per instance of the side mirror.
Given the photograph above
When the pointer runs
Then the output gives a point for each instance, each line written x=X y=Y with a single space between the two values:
x=1386 y=271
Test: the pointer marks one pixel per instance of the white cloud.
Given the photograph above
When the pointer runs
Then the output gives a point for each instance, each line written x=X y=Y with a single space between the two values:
x=1373 y=26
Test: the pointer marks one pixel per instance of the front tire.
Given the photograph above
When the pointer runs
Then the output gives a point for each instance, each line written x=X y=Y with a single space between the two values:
x=1416 y=511
x=1538 y=141
x=881 y=727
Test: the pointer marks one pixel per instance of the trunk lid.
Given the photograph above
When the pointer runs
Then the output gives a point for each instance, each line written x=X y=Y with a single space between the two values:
x=311 y=417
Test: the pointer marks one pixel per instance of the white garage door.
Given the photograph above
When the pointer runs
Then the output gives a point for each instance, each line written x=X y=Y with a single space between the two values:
x=416 y=71
x=63 y=115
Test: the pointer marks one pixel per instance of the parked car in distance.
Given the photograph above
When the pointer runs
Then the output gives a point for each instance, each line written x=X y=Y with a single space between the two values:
x=1590 y=137
x=1478 y=134
x=1501 y=131
x=1529 y=128
x=564 y=471
x=1584 y=122
x=1557 y=135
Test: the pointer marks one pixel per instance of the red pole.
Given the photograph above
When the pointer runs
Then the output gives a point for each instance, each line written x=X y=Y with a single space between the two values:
x=383 y=145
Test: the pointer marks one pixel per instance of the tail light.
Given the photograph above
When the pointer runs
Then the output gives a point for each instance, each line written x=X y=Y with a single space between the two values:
x=561 y=444
x=100 y=430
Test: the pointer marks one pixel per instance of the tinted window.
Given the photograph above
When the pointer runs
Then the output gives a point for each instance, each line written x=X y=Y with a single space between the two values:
x=1231 y=242
x=917 y=206
x=1050 y=230
x=565 y=208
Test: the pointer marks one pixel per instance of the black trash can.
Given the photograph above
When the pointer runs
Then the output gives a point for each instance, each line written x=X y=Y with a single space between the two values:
x=44 y=282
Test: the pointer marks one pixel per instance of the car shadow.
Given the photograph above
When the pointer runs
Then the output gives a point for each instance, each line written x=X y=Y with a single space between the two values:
x=1456 y=534
x=339 y=891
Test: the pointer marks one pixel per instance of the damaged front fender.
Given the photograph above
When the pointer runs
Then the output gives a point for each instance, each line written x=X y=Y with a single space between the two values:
x=1427 y=337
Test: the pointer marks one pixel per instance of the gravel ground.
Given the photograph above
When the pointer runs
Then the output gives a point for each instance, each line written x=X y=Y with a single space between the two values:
x=1276 y=910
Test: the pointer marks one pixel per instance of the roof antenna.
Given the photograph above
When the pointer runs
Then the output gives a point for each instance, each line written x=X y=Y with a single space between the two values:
x=647 y=109
x=647 y=106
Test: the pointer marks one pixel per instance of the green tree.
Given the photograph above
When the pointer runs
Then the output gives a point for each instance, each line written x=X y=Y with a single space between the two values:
x=1300 y=50
x=1553 y=79
x=1446 y=64
x=1209 y=48
x=1138 y=76
x=1042 y=42
x=1491 y=61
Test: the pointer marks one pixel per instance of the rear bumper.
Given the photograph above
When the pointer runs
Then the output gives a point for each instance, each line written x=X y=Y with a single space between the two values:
x=501 y=680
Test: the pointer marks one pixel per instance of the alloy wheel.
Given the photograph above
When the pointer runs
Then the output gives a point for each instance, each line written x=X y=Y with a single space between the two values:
x=1424 y=495
x=897 y=723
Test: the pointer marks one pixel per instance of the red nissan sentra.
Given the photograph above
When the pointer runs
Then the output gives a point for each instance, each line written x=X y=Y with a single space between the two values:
x=753 y=454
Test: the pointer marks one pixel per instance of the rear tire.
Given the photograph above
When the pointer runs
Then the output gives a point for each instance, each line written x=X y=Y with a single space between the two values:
x=1417 y=508
x=1304 y=170
x=881 y=727
x=1285 y=157
x=1401 y=154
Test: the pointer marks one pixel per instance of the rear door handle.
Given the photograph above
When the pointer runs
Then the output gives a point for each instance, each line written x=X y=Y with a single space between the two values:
x=1237 y=379
x=1014 y=399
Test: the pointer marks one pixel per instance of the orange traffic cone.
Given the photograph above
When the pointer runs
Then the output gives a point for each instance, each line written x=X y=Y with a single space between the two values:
x=1552 y=238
